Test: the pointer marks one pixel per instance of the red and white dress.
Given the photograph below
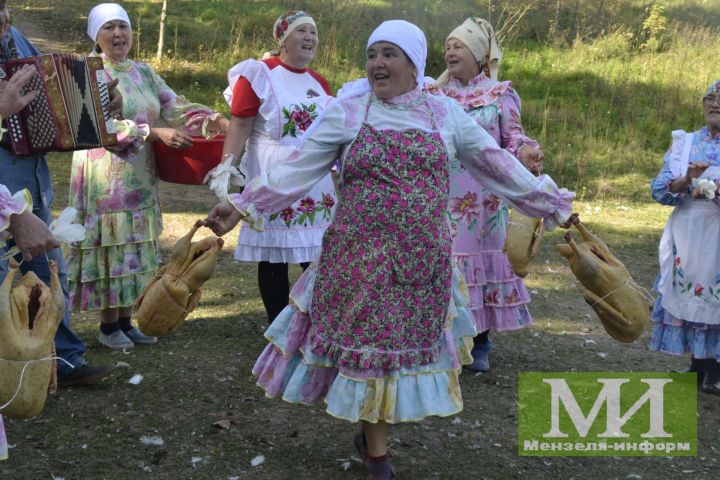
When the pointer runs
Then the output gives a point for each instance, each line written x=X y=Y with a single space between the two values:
x=284 y=102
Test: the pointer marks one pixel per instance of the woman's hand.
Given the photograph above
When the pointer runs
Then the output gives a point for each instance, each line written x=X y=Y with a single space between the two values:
x=694 y=170
x=114 y=108
x=32 y=236
x=170 y=137
x=218 y=125
x=532 y=158
x=222 y=219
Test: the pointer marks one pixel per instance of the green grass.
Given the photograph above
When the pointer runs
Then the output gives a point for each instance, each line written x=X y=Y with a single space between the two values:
x=598 y=95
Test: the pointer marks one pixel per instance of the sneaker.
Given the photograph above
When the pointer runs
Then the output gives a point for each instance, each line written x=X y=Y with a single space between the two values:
x=139 y=338
x=85 y=375
x=116 y=340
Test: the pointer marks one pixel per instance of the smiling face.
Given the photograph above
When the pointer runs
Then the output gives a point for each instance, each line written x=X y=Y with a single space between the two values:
x=711 y=111
x=461 y=63
x=115 y=40
x=300 y=46
x=389 y=71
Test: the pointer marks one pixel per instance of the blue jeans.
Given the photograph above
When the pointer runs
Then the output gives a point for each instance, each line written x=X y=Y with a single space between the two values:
x=32 y=172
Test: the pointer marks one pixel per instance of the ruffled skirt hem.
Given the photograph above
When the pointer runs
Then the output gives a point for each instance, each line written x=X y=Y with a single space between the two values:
x=498 y=298
x=289 y=369
x=677 y=336
x=248 y=253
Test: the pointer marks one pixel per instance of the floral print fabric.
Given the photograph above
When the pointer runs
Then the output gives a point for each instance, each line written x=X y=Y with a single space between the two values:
x=289 y=366
x=290 y=102
x=478 y=218
x=115 y=193
x=12 y=204
x=383 y=278
x=686 y=312
x=689 y=280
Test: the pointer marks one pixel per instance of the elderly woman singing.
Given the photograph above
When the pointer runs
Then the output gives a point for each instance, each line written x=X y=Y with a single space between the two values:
x=687 y=311
x=479 y=218
x=116 y=192
x=377 y=329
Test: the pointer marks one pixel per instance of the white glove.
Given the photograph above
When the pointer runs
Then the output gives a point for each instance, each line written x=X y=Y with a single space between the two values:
x=225 y=174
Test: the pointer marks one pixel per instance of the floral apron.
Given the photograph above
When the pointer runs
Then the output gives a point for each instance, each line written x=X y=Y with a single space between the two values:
x=690 y=260
x=383 y=279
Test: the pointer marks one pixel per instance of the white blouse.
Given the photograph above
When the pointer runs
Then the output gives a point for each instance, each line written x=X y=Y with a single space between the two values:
x=331 y=135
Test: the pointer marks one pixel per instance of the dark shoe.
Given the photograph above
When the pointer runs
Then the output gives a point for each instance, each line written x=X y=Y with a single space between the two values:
x=711 y=382
x=384 y=471
x=85 y=375
x=697 y=365
x=481 y=362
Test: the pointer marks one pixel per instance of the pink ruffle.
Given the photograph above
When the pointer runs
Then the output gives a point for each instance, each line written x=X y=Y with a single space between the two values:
x=374 y=360
x=271 y=370
x=501 y=319
x=498 y=297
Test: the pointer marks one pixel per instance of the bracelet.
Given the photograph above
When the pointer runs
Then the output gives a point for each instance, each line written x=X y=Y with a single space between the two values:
x=231 y=156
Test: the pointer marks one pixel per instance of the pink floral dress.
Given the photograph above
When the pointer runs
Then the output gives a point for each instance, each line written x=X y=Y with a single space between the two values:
x=379 y=328
x=478 y=218
x=116 y=193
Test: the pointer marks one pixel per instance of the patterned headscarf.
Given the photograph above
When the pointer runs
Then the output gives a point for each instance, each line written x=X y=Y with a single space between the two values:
x=285 y=24
x=713 y=88
x=103 y=13
x=479 y=37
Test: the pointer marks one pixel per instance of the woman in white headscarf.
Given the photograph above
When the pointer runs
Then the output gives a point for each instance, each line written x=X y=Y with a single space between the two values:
x=379 y=327
x=479 y=218
x=115 y=192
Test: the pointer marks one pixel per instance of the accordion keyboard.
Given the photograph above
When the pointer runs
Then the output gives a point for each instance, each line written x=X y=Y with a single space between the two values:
x=68 y=112
x=39 y=121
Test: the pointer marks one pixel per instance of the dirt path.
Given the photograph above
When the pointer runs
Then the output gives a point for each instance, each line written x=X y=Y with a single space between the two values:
x=36 y=34
x=201 y=375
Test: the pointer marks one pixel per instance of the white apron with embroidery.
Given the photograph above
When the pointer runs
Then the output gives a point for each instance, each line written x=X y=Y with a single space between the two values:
x=289 y=103
x=689 y=253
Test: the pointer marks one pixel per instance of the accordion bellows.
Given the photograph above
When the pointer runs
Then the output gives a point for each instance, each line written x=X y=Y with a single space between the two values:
x=70 y=111
x=608 y=286
x=174 y=292
x=524 y=236
x=29 y=317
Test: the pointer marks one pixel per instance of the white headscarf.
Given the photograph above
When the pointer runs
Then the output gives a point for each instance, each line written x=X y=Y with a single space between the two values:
x=405 y=35
x=103 y=13
x=479 y=37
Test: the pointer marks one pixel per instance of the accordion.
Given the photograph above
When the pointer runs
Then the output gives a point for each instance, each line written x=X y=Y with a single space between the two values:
x=69 y=112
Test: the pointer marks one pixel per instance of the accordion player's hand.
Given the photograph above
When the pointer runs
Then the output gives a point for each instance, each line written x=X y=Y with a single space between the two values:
x=12 y=99
x=114 y=108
